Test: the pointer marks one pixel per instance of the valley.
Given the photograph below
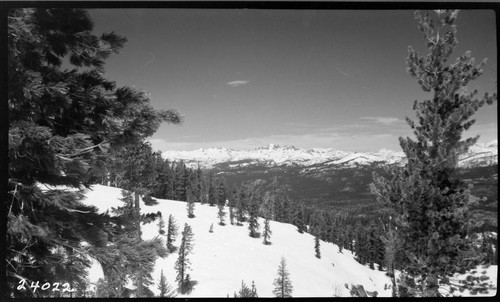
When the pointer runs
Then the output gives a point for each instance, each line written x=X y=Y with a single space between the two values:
x=339 y=180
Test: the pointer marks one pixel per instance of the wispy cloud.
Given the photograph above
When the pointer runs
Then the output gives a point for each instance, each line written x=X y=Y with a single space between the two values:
x=237 y=83
x=385 y=120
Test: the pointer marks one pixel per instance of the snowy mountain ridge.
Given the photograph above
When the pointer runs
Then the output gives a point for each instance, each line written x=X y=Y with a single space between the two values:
x=275 y=155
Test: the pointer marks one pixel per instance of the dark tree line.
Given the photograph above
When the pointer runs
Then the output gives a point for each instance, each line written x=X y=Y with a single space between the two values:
x=160 y=178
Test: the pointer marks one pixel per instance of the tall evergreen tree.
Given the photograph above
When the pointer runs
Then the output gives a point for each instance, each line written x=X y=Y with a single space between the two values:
x=431 y=202
x=172 y=231
x=391 y=249
x=182 y=265
x=166 y=290
x=212 y=191
x=299 y=218
x=241 y=205
x=269 y=201
x=231 y=203
x=317 y=249
x=190 y=203
x=253 y=211
x=246 y=292
x=221 y=214
x=63 y=122
x=161 y=226
x=267 y=232
x=220 y=192
x=282 y=284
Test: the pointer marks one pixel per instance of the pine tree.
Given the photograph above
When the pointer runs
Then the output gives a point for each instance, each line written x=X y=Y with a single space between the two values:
x=181 y=181
x=63 y=125
x=212 y=191
x=220 y=192
x=253 y=210
x=253 y=291
x=268 y=213
x=390 y=244
x=172 y=231
x=240 y=206
x=190 y=203
x=299 y=218
x=166 y=290
x=430 y=201
x=317 y=247
x=161 y=226
x=204 y=188
x=182 y=265
x=221 y=214
x=282 y=284
x=244 y=291
x=267 y=232
x=128 y=257
x=231 y=214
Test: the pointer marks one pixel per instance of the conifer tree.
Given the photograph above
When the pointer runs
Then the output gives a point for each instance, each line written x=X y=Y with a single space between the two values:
x=317 y=247
x=390 y=244
x=166 y=290
x=221 y=193
x=254 y=291
x=63 y=125
x=212 y=191
x=182 y=265
x=231 y=212
x=267 y=232
x=190 y=204
x=161 y=226
x=246 y=292
x=269 y=201
x=299 y=218
x=430 y=201
x=282 y=284
x=240 y=206
x=181 y=181
x=221 y=214
x=172 y=231
x=204 y=188
x=253 y=210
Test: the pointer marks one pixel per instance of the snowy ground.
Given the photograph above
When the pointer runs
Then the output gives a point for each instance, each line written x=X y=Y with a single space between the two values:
x=222 y=259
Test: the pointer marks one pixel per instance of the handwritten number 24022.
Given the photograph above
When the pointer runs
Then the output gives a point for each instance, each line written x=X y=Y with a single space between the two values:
x=46 y=286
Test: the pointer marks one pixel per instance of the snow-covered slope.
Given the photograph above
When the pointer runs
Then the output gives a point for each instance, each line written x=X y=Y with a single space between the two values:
x=272 y=155
x=222 y=259
x=481 y=155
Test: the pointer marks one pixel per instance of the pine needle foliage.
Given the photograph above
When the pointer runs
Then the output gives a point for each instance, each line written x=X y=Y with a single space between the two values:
x=317 y=248
x=182 y=265
x=246 y=292
x=432 y=205
x=172 y=232
x=166 y=290
x=63 y=125
x=282 y=284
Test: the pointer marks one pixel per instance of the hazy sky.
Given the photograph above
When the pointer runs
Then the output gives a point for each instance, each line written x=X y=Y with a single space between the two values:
x=244 y=78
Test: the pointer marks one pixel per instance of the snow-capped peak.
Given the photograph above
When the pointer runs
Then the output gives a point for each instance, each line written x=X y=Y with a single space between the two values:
x=273 y=154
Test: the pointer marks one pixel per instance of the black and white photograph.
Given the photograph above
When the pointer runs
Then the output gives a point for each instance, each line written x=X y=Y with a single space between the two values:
x=249 y=150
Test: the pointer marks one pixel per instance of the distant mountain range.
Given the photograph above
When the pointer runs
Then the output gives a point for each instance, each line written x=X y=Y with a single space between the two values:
x=339 y=179
x=275 y=155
